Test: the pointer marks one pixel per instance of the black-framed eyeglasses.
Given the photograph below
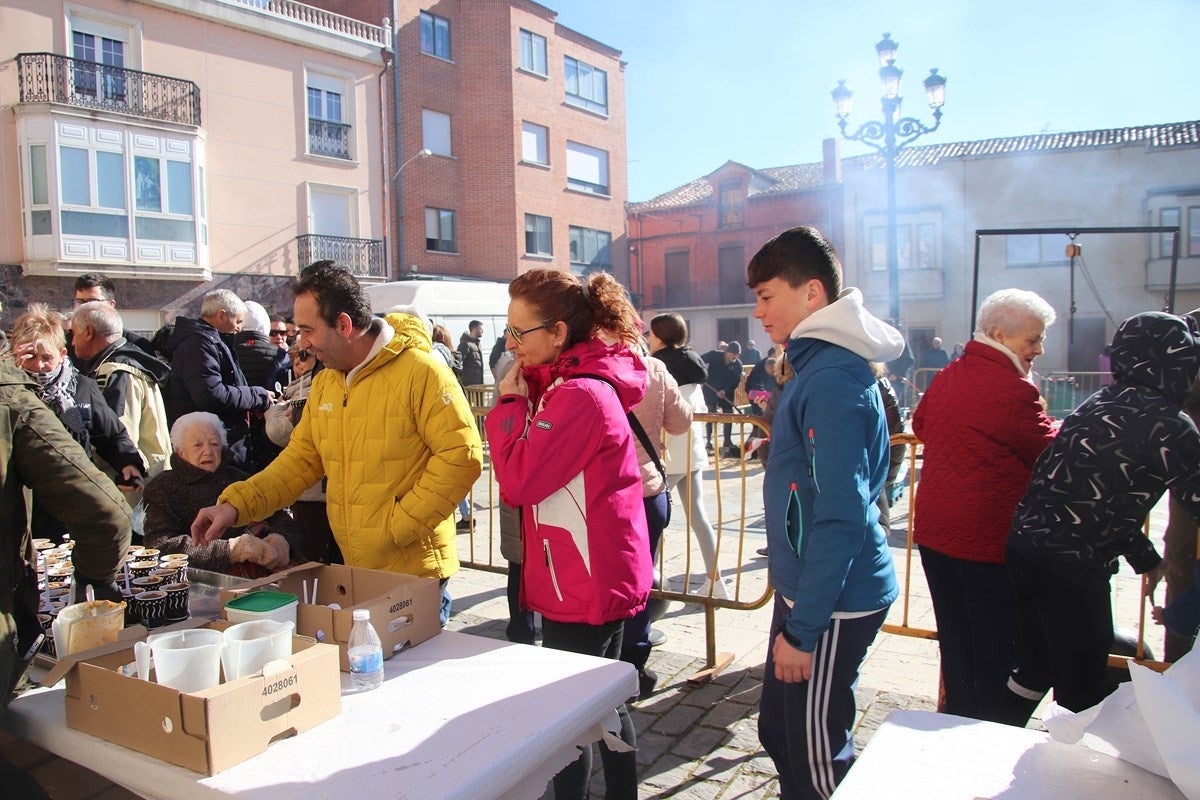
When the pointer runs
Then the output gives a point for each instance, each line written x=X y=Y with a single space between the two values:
x=516 y=334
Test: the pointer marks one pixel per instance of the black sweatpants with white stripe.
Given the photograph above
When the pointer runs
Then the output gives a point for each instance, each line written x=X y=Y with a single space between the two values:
x=806 y=728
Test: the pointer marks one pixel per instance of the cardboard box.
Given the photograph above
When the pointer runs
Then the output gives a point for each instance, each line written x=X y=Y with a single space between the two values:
x=205 y=731
x=404 y=608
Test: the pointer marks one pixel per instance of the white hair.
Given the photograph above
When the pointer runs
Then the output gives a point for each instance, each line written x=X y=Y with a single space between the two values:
x=219 y=300
x=257 y=318
x=194 y=420
x=102 y=318
x=1007 y=309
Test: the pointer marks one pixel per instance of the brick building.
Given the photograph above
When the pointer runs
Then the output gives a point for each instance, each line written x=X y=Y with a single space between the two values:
x=525 y=120
x=689 y=246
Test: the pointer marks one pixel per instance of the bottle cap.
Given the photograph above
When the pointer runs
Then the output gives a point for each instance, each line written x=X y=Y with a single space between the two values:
x=361 y=614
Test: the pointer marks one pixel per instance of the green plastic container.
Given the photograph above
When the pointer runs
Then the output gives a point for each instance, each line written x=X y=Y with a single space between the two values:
x=265 y=604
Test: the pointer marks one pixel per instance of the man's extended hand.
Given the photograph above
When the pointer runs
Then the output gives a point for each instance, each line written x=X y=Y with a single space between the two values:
x=791 y=665
x=212 y=522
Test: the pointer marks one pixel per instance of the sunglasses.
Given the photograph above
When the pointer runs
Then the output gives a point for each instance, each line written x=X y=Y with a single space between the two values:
x=279 y=333
x=301 y=355
x=516 y=334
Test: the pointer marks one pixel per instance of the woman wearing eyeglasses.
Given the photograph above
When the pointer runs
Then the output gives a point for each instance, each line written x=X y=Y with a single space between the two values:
x=563 y=450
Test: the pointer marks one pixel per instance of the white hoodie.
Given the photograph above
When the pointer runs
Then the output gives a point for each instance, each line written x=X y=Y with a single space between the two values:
x=846 y=322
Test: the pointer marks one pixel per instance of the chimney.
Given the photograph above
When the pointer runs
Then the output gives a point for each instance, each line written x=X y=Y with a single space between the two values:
x=831 y=160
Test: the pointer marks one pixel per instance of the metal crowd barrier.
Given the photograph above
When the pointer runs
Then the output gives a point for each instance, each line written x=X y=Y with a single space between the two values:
x=733 y=511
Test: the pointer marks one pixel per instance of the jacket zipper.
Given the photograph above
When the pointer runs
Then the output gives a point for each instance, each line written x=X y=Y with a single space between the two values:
x=794 y=500
x=812 y=461
x=550 y=566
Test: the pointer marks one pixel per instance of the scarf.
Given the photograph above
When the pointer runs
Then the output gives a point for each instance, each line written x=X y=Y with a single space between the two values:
x=57 y=389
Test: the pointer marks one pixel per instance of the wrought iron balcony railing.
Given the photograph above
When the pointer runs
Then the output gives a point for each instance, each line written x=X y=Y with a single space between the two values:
x=328 y=138
x=51 y=78
x=363 y=257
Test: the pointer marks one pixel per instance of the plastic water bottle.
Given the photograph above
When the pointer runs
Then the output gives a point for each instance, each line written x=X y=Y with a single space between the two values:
x=365 y=653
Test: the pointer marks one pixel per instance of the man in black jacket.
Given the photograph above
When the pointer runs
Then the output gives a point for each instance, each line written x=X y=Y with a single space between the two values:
x=472 y=355
x=1090 y=493
x=724 y=380
x=205 y=376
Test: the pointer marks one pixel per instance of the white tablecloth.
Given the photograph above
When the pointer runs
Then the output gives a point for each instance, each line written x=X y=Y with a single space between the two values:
x=458 y=716
x=920 y=755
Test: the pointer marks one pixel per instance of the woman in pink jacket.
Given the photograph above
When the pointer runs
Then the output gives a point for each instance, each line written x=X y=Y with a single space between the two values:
x=562 y=449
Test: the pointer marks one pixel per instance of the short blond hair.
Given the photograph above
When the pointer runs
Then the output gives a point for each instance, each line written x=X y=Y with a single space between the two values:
x=40 y=324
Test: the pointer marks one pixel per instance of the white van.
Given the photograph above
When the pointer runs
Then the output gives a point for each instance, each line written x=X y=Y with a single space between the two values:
x=451 y=302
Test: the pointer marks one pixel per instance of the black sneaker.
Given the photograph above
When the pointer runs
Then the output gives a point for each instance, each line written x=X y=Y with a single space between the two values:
x=465 y=524
x=647 y=681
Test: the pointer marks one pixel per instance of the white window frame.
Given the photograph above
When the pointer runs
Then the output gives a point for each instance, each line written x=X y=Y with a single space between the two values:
x=73 y=237
x=449 y=35
x=533 y=39
x=436 y=133
x=535 y=138
x=453 y=224
x=348 y=193
x=82 y=19
x=580 y=264
x=580 y=98
x=537 y=235
x=330 y=79
x=587 y=169
x=908 y=228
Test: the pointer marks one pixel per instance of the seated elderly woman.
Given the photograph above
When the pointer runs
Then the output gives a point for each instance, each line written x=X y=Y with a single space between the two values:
x=196 y=478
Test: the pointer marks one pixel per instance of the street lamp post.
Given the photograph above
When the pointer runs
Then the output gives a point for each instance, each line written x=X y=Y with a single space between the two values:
x=889 y=136
x=396 y=179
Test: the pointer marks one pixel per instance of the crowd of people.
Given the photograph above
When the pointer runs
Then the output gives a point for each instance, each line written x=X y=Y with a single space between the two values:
x=250 y=441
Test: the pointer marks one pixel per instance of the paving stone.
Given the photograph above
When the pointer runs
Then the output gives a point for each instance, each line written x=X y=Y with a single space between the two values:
x=725 y=713
x=751 y=787
x=700 y=742
x=679 y=719
x=667 y=773
x=651 y=746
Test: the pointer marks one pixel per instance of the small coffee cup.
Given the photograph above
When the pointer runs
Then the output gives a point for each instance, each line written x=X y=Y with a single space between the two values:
x=140 y=569
x=149 y=582
x=150 y=607
x=177 y=601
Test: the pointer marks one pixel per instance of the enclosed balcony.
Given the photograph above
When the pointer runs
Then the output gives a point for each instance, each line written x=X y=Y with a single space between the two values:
x=51 y=78
x=363 y=257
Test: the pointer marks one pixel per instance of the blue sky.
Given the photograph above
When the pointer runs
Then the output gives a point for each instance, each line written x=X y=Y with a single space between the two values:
x=713 y=80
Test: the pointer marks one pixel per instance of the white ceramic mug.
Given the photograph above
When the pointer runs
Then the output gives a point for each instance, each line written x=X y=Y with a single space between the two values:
x=247 y=646
x=185 y=660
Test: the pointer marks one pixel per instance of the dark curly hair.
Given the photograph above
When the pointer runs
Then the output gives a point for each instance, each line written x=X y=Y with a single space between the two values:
x=336 y=291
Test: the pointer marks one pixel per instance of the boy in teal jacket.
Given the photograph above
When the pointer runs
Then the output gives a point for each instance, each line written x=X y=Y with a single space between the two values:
x=830 y=564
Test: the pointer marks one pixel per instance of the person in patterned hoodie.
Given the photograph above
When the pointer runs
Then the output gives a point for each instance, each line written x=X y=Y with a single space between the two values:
x=1091 y=491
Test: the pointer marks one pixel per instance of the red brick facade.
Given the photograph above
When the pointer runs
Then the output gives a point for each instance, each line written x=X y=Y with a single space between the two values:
x=679 y=240
x=488 y=97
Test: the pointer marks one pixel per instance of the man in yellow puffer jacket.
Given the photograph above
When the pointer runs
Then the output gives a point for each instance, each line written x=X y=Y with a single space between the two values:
x=388 y=426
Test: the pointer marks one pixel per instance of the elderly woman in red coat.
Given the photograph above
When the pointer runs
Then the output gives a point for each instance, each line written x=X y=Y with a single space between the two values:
x=983 y=426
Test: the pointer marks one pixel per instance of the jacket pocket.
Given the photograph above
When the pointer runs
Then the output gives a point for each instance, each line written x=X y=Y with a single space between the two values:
x=550 y=568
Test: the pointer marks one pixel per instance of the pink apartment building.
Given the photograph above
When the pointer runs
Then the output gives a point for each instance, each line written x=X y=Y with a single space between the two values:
x=184 y=145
